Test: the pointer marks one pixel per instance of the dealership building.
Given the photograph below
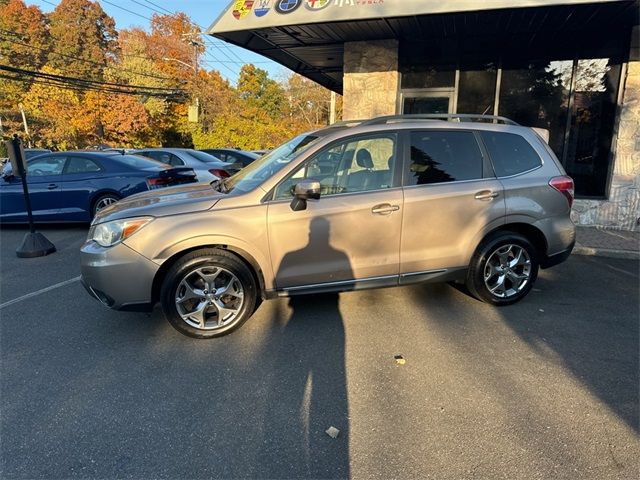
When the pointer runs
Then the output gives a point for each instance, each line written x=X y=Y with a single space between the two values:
x=571 y=67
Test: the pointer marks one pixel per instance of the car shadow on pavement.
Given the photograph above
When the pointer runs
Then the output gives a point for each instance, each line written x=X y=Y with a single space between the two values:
x=567 y=320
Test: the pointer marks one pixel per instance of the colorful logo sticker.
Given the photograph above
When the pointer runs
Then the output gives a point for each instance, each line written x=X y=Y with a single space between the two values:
x=317 y=4
x=263 y=8
x=287 y=6
x=242 y=8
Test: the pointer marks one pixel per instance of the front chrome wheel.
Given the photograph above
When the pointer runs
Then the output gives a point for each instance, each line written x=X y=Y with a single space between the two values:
x=209 y=298
x=507 y=271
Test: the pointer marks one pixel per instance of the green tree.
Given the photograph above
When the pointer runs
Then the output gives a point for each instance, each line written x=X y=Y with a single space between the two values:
x=258 y=90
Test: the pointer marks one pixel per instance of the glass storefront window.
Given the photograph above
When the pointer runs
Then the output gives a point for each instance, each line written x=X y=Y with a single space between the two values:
x=592 y=119
x=477 y=90
x=537 y=95
x=428 y=77
x=575 y=100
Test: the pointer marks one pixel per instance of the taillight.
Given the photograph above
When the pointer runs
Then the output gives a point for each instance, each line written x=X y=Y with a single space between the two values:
x=219 y=173
x=156 y=182
x=564 y=185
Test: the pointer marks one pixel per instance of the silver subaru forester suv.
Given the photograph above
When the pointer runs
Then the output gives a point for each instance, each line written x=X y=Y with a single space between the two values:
x=390 y=201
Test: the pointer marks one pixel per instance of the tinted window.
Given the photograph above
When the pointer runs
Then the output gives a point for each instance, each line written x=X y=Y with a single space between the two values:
x=356 y=165
x=46 y=166
x=135 y=161
x=34 y=153
x=510 y=153
x=537 y=95
x=202 y=156
x=82 y=165
x=593 y=115
x=438 y=157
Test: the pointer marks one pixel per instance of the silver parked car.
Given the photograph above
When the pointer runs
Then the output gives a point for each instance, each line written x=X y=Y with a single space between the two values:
x=392 y=201
x=206 y=166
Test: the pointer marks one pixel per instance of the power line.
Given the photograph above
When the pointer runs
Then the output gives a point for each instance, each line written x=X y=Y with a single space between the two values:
x=103 y=65
x=50 y=3
x=240 y=61
x=92 y=84
x=126 y=10
x=159 y=6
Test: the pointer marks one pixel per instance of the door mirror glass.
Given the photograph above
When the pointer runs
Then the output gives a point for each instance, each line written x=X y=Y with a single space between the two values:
x=303 y=191
x=307 y=189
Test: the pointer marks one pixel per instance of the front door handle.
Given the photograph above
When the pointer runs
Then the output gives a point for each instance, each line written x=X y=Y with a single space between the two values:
x=487 y=195
x=52 y=186
x=385 y=209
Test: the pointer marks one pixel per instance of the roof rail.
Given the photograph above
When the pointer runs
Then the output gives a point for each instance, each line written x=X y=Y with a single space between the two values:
x=347 y=123
x=460 y=117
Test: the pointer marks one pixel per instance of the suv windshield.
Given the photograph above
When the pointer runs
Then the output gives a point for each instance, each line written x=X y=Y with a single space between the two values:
x=268 y=165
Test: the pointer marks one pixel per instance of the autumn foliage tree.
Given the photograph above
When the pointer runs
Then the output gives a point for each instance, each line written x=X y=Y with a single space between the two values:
x=78 y=40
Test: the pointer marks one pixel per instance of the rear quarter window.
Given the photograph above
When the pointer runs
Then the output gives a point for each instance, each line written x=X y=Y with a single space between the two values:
x=510 y=153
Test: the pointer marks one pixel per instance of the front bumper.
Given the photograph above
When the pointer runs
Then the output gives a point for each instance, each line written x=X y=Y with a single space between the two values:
x=118 y=277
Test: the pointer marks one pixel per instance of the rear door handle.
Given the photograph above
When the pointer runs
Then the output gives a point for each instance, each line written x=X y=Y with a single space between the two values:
x=486 y=195
x=52 y=186
x=385 y=209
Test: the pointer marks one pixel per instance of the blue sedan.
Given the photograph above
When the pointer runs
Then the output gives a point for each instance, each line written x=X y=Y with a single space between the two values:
x=73 y=186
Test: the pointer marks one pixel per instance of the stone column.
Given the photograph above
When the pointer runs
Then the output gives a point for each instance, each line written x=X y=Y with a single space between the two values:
x=622 y=209
x=371 y=79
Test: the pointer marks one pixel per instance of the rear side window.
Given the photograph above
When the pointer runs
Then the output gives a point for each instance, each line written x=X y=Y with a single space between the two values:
x=164 y=157
x=82 y=165
x=136 y=161
x=511 y=154
x=441 y=156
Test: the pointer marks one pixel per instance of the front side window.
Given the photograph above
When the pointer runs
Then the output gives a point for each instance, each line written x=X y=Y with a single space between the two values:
x=354 y=165
x=510 y=154
x=46 y=166
x=443 y=156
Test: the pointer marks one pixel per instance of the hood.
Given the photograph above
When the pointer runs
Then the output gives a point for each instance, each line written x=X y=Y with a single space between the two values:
x=194 y=197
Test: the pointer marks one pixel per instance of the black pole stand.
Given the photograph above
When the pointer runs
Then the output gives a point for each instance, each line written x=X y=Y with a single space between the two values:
x=34 y=243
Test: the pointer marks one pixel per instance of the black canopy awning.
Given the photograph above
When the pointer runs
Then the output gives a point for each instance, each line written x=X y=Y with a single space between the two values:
x=316 y=50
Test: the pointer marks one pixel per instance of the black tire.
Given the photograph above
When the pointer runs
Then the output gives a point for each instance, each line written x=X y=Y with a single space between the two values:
x=208 y=259
x=478 y=267
x=107 y=197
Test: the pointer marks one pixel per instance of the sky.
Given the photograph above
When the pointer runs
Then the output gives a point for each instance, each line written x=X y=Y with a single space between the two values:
x=221 y=56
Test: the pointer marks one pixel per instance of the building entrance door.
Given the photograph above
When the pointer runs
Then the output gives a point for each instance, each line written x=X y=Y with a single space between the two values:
x=430 y=101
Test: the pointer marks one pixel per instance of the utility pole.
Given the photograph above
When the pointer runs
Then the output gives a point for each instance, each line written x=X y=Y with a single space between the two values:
x=193 y=38
x=24 y=122
x=332 y=111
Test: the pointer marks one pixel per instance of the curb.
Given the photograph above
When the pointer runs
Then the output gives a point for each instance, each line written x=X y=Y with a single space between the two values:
x=606 y=252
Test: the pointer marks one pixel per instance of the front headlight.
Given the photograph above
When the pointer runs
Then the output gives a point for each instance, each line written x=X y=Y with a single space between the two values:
x=109 y=233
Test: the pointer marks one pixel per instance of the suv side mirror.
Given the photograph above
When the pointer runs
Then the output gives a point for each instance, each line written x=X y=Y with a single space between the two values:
x=303 y=191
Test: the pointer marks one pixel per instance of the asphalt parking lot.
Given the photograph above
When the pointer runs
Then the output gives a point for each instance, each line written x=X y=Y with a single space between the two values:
x=547 y=388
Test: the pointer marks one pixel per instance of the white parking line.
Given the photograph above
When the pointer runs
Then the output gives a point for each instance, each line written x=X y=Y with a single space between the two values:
x=39 y=292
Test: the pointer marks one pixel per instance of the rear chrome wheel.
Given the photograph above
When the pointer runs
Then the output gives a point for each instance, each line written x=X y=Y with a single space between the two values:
x=208 y=293
x=507 y=271
x=103 y=202
x=503 y=269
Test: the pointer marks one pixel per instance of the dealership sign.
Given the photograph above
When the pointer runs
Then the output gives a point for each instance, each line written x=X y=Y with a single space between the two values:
x=256 y=14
